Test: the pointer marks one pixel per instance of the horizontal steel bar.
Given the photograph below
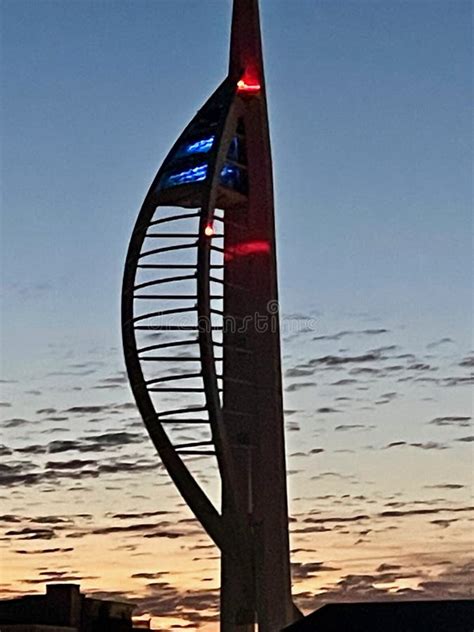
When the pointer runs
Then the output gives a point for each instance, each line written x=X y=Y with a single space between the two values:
x=174 y=297
x=171 y=378
x=167 y=266
x=166 y=345
x=173 y=279
x=181 y=411
x=194 y=444
x=171 y=359
x=171 y=235
x=166 y=297
x=157 y=251
x=184 y=421
x=175 y=390
x=173 y=218
x=175 y=266
x=172 y=328
x=196 y=453
x=164 y=312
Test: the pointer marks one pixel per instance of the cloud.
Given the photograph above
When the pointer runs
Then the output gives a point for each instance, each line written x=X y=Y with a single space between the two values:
x=327 y=410
x=93 y=443
x=297 y=372
x=386 y=398
x=457 y=381
x=333 y=360
x=467 y=439
x=383 y=568
x=300 y=570
x=357 y=518
x=345 y=382
x=163 y=600
x=444 y=523
x=439 y=343
x=142 y=527
x=16 y=422
x=468 y=361
x=459 y=421
x=143 y=514
x=158 y=575
x=422 y=512
x=298 y=386
x=67 y=549
x=427 y=445
x=361 y=332
x=29 y=533
x=73 y=464
x=445 y=486
x=346 y=427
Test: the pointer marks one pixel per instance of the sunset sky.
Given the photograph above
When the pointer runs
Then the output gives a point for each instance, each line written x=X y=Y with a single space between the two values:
x=370 y=108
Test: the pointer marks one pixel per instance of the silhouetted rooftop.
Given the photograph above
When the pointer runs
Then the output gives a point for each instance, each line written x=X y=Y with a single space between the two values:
x=391 y=616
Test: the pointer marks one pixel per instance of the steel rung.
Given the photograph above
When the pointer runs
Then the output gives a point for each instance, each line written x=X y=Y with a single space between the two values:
x=171 y=235
x=173 y=279
x=171 y=359
x=166 y=297
x=184 y=421
x=175 y=390
x=170 y=378
x=164 y=312
x=173 y=328
x=196 y=453
x=194 y=444
x=167 y=266
x=181 y=411
x=173 y=218
x=157 y=251
x=165 y=345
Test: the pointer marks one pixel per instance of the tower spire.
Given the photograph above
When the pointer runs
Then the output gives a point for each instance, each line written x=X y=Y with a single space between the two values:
x=246 y=59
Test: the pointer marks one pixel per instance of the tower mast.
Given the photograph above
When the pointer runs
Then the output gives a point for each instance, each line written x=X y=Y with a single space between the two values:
x=260 y=436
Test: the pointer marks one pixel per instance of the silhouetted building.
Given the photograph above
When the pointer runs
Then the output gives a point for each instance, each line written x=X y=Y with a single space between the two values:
x=391 y=616
x=64 y=609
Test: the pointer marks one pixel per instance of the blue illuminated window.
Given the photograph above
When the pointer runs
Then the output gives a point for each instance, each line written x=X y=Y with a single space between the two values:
x=201 y=146
x=233 y=177
x=186 y=176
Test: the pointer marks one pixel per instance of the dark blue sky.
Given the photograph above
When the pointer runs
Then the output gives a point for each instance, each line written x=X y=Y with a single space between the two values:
x=370 y=120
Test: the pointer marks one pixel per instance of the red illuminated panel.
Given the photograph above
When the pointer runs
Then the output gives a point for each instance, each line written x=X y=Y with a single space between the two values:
x=248 y=86
x=247 y=248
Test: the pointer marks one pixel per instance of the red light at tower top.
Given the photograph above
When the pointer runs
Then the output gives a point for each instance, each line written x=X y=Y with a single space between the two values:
x=248 y=86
